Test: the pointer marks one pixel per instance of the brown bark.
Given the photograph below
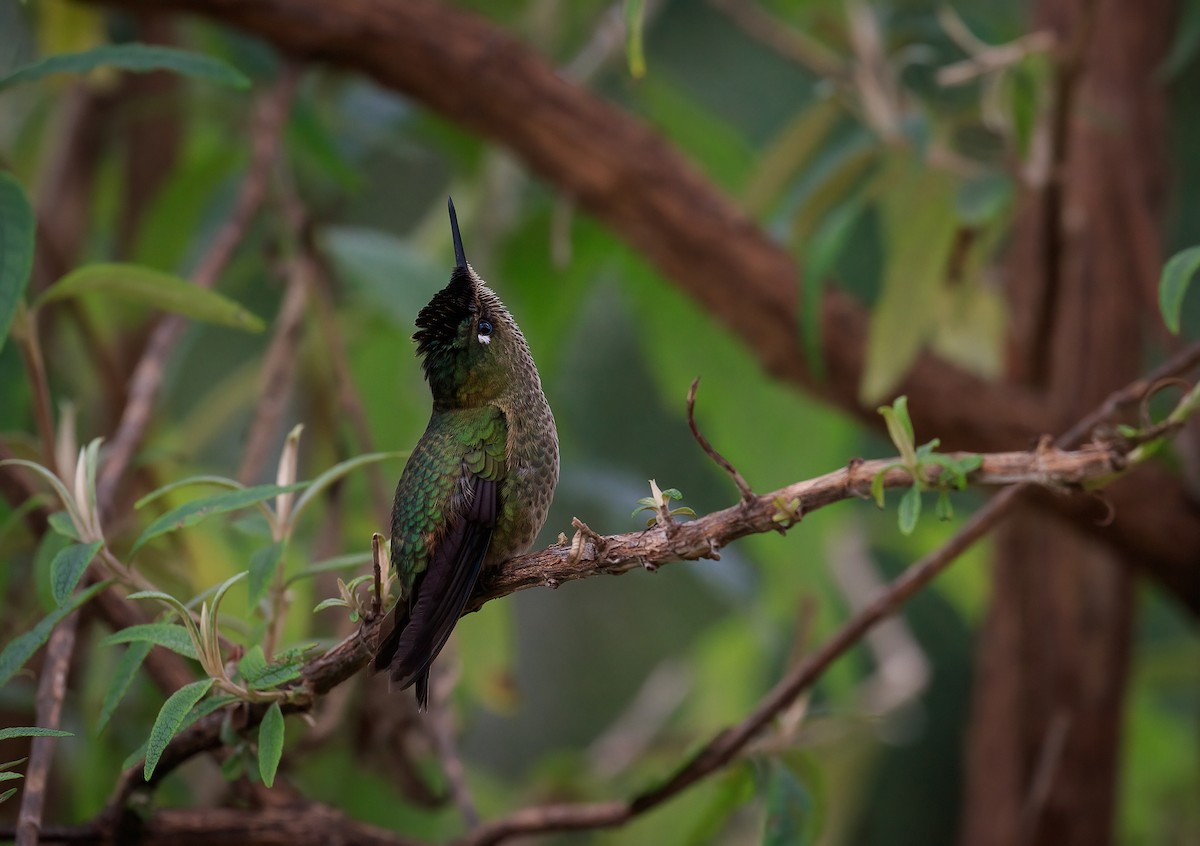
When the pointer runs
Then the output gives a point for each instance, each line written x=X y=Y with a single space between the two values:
x=1054 y=660
x=632 y=180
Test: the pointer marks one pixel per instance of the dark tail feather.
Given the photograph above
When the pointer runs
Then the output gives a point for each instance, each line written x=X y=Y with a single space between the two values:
x=422 y=684
x=386 y=650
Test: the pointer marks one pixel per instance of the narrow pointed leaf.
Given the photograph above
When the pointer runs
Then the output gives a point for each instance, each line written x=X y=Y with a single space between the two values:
x=270 y=744
x=262 y=567
x=167 y=635
x=32 y=731
x=910 y=510
x=341 y=562
x=165 y=598
x=820 y=256
x=206 y=707
x=1177 y=275
x=169 y=720
x=68 y=567
x=127 y=667
x=138 y=58
x=10 y=776
x=191 y=513
x=16 y=653
x=945 y=510
x=222 y=481
x=60 y=522
x=64 y=495
x=155 y=289
x=8 y=794
x=16 y=249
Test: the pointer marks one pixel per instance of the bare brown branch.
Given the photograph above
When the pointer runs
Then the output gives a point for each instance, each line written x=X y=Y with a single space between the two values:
x=287 y=825
x=52 y=687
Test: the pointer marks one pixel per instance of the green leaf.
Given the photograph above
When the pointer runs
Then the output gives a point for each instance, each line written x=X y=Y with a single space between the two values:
x=820 y=255
x=191 y=513
x=635 y=18
x=221 y=481
x=138 y=58
x=253 y=663
x=32 y=731
x=165 y=598
x=877 y=486
x=1177 y=275
x=127 y=667
x=68 y=567
x=341 y=562
x=910 y=510
x=8 y=794
x=919 y=228
x=8 y=765
x=944 y=511
x=10 y=776
x=60 y=522
x=169 y=720
x=734 y=789
x=318 y=485
x=167 y=635
x=900 y=429
x=925 y=450
x=64 y=496
x=983 y=198
x=957 y=470
x=206 y=707
x=332 y=602
x=16 y=249
x=155 y=289
x=262 y=567
x=1184 y=44
x=14 y=656
x=277 y=674
x=270 y=743
x=791 y=815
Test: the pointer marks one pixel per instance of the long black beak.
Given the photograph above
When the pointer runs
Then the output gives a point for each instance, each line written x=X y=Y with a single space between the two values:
x=460 y=257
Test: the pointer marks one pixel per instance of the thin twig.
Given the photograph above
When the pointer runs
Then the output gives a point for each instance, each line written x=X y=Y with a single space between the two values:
x=278 y=372
x=52 y=687
x=722 y=462
x=440 y=723
x=270 y=119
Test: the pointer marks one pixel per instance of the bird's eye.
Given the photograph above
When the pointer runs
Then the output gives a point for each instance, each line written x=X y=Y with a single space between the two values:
x=485 y=327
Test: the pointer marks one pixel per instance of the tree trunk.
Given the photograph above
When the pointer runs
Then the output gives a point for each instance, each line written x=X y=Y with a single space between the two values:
x=1054 y=658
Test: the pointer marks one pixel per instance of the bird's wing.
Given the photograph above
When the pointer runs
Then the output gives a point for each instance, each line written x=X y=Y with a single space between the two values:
x=452 y=558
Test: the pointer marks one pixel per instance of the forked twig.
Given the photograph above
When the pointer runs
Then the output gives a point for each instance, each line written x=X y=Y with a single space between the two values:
x=722 y=462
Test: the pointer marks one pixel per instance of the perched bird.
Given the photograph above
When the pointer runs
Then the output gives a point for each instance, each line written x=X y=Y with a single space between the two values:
x=476 y=488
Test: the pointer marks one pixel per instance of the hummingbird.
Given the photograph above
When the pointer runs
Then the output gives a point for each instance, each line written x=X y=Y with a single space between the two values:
x=476 y=488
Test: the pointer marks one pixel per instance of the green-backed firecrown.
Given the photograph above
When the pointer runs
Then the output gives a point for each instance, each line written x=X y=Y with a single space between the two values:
x=476 y=488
